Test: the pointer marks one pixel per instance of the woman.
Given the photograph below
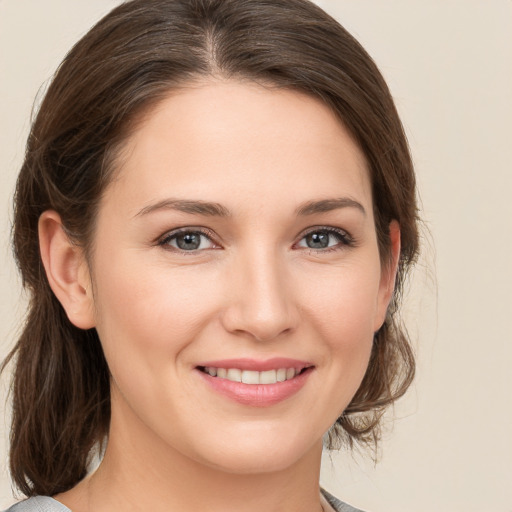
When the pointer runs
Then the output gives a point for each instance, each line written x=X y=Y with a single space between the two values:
x=214 y=218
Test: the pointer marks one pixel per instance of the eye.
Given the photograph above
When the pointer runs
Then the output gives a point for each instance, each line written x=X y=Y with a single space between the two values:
x=188 y=240
x=325 y=238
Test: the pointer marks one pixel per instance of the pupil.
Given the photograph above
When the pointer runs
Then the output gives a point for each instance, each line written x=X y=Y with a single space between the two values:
x=189 y=241
x=317 y=240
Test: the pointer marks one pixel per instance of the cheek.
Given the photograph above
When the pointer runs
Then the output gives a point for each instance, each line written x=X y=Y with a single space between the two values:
x=149 y=311
x=146 y=321
x=344 y=304
x=343 y=313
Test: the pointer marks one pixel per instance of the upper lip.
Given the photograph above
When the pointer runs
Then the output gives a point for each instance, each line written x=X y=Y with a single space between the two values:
x=257 y=365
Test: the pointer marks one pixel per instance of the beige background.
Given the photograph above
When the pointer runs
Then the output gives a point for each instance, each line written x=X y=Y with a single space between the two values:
x=449 y=65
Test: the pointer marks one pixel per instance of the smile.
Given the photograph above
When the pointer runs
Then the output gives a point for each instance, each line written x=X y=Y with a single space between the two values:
x=256 y=383
x=252 y=376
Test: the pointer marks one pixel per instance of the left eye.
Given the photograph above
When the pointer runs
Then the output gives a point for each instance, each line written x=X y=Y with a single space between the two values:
x=188 y=241
x=323 y=239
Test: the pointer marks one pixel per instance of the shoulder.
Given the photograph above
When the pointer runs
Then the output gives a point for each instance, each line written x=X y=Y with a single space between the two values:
x=38 y=504
x=338 y=505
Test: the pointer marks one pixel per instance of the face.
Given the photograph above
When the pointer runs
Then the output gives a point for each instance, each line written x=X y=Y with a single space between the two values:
x=236 y=276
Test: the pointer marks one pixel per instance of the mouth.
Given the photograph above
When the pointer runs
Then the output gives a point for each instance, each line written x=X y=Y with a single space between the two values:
x=256 y=383
x=254 y=377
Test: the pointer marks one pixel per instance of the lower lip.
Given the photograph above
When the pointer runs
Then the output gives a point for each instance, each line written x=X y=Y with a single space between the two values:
x=257 y=395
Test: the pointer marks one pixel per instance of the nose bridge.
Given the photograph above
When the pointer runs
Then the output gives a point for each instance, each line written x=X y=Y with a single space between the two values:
x=261 y=303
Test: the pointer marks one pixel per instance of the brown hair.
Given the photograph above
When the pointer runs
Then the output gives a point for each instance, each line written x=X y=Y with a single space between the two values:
x=127 y=62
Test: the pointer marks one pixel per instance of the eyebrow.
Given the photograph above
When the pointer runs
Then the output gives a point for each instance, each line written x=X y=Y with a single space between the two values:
x=211 y=209
x=195 y=207
x=327 y=205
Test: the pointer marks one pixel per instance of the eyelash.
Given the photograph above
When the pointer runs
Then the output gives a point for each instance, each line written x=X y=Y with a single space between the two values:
x=344 y=239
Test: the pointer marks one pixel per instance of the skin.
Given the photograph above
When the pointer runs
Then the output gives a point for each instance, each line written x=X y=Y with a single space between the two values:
x=253 y=289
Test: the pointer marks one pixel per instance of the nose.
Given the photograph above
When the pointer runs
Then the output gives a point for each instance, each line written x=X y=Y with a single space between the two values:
x=260 y=299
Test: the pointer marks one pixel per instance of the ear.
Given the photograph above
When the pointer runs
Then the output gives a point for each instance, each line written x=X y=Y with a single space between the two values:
x=66 y=270
x=388 y=275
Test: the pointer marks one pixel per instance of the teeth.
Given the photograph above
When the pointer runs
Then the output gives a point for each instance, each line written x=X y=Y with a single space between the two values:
x=234 y=375
x=268 y=377
x=253 y=377
x=249 y=377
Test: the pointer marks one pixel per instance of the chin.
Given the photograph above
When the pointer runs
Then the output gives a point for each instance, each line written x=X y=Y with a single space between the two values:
x=255 y=455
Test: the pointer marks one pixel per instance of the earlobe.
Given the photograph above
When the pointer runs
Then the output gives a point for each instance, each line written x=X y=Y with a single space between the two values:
x=66 y=270
x=388 y=274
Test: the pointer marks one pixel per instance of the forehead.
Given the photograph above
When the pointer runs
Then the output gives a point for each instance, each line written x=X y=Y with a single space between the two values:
x=226 y=141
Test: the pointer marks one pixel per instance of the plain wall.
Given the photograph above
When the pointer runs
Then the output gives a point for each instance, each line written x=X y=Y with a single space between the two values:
x=449 y=66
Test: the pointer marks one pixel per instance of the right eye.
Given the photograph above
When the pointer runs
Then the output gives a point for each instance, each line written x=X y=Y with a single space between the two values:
x=187 y=240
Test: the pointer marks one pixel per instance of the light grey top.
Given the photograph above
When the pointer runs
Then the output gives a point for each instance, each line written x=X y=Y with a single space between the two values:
x=38 y=504
x=47 y=504
x=338 y=505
